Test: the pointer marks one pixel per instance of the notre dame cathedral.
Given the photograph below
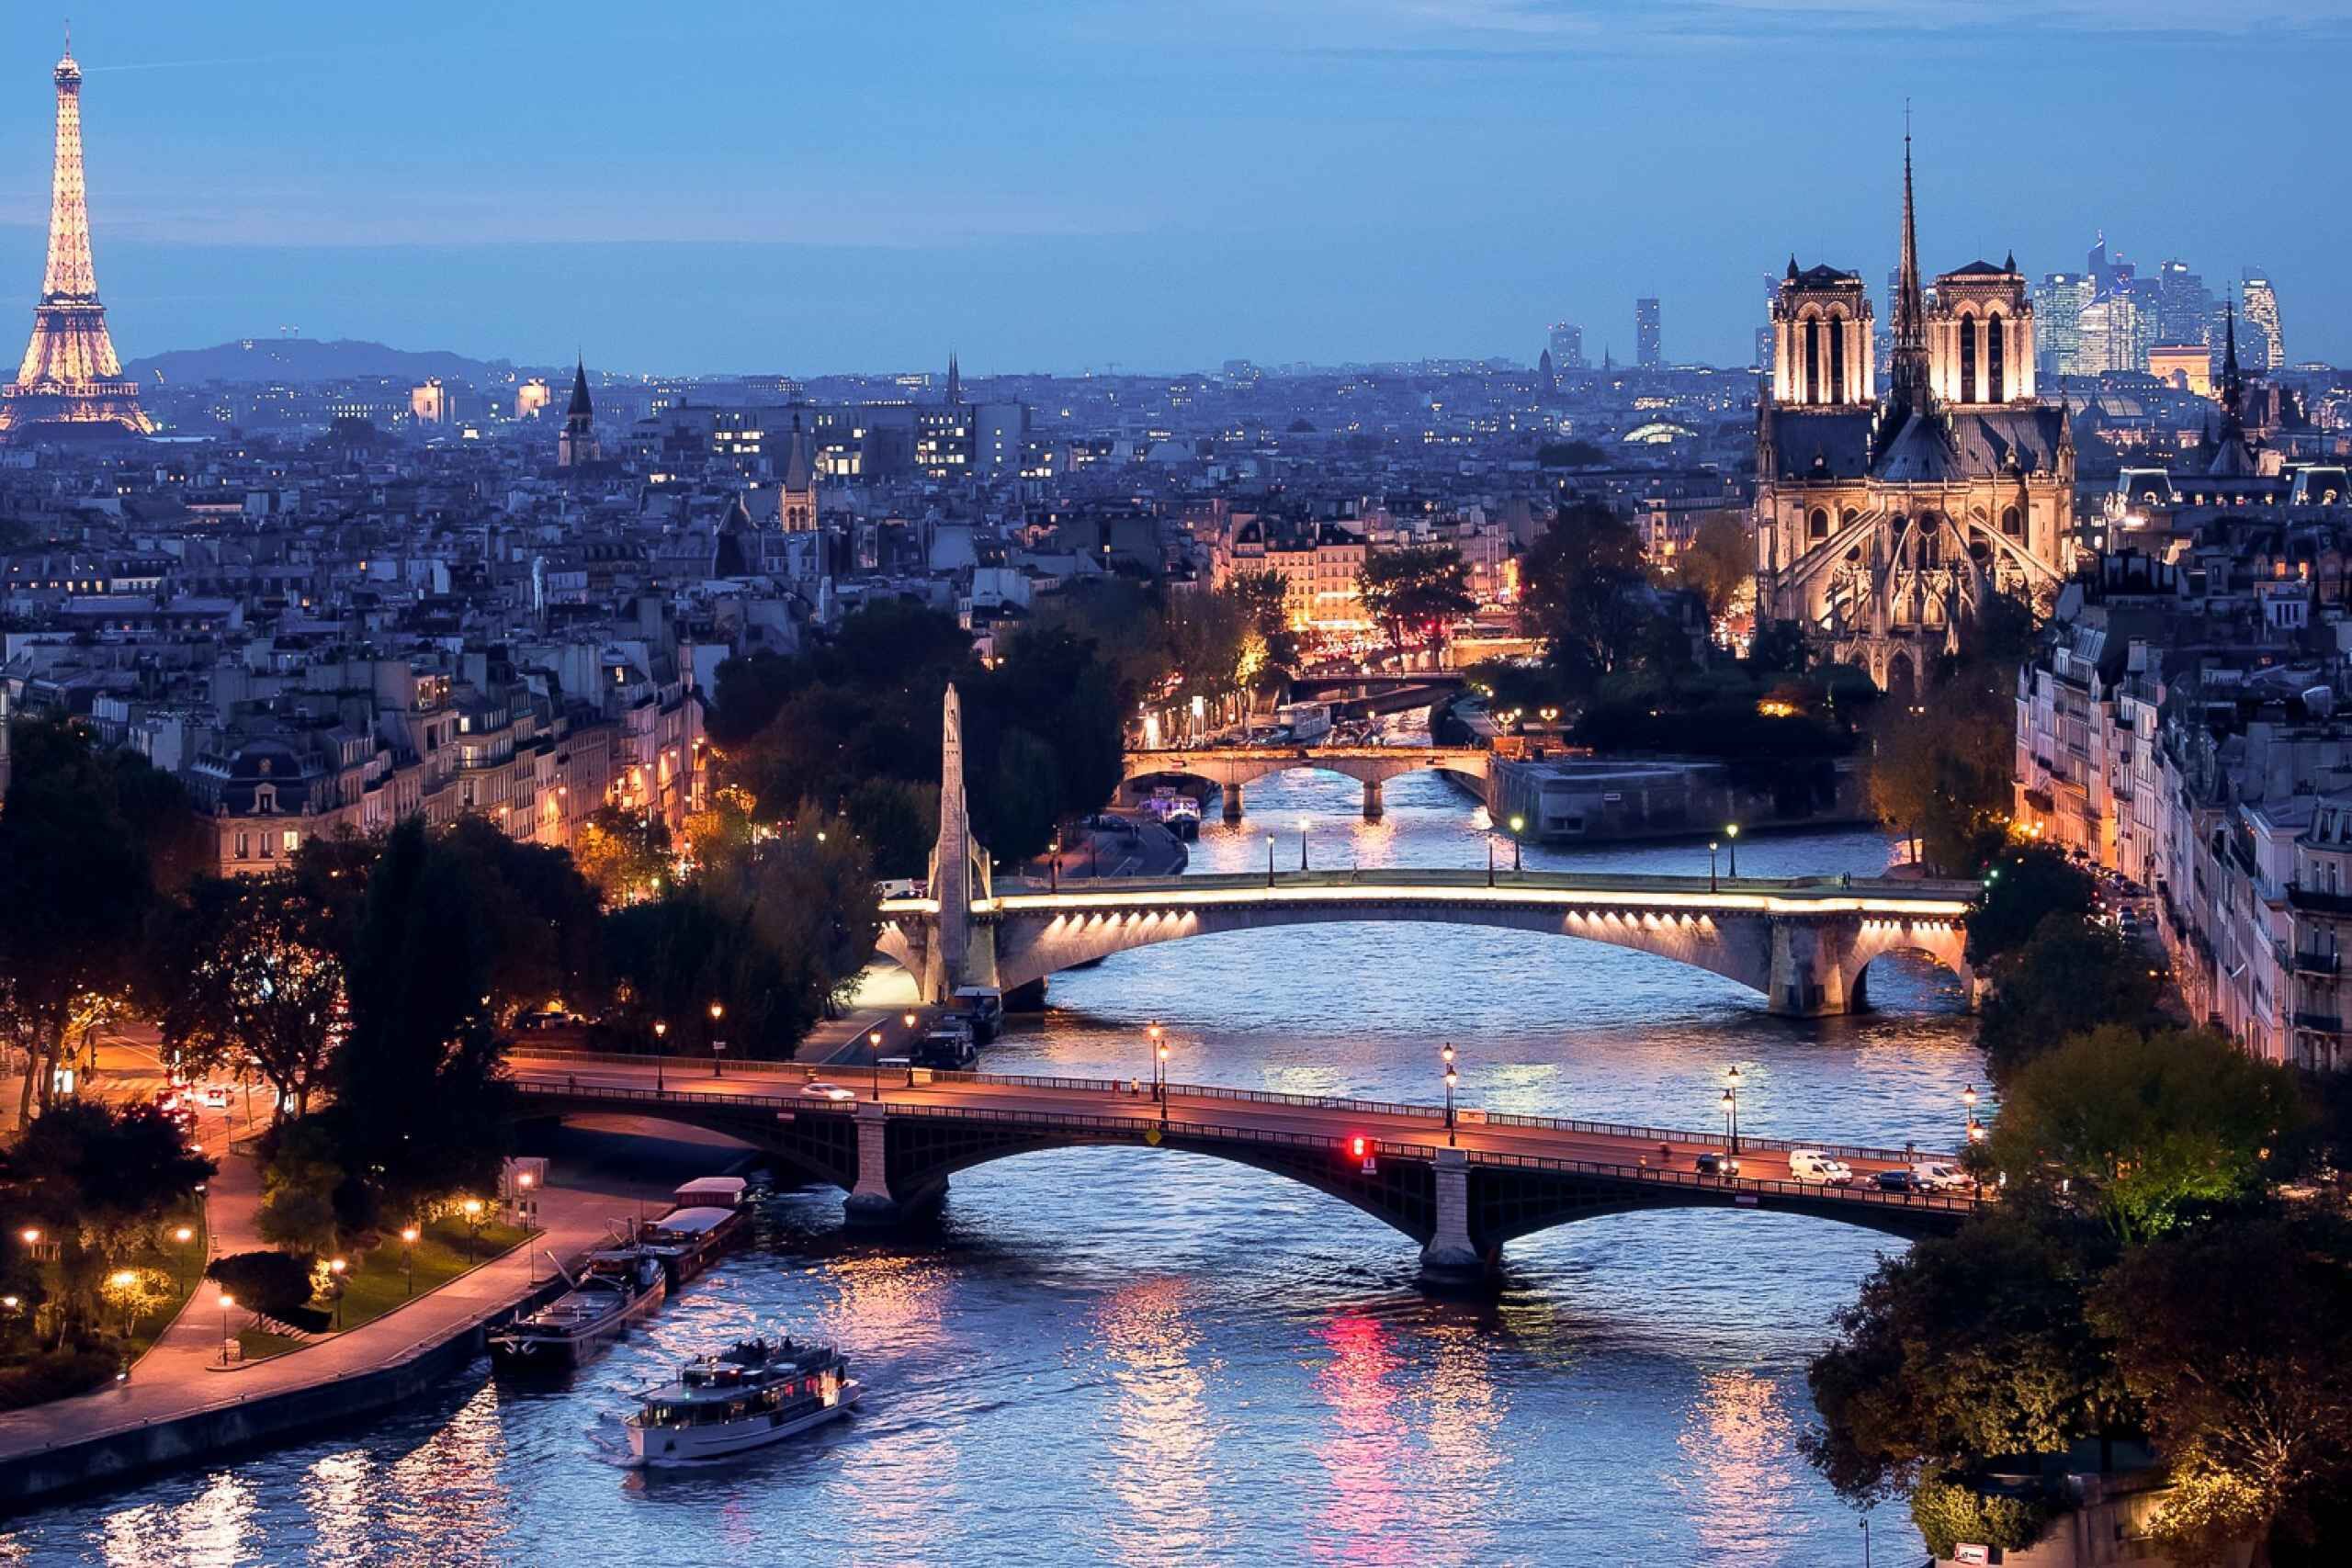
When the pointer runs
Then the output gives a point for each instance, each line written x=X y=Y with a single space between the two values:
x=1883 y=520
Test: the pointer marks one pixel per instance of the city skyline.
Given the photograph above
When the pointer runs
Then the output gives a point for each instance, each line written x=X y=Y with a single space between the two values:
x=872 y=228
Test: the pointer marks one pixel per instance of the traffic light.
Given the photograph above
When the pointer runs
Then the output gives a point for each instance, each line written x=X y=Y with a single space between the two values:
x=1359 y=1151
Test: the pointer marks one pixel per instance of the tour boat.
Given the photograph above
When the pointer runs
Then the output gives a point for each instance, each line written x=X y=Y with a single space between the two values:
x=745 y=1397
x=709 y=1216
x=615 y=1290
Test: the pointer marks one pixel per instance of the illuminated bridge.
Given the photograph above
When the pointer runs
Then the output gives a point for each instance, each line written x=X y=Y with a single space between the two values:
x=894 y=1147
x=1229 y=768
x=1806 y=944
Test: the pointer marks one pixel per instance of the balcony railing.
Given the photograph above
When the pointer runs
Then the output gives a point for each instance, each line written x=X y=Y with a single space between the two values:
x=2319 y=902
x=2318 y=962
x=2321 y=1023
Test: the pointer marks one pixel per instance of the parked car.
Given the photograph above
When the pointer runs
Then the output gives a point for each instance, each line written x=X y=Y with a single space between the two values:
x=818 y=1089
x=1812 y=1165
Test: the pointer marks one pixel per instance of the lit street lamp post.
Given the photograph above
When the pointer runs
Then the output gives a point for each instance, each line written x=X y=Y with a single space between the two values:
x=1160 y=1066
x=228 y=1304
x=1517 y=825
x=336 y=1267
x=1731 y=835
x=1269 y=859
x=1975 y=1129
x=473 y=1229
x=1731 y=1107
x=1160 y=1055
x=908 y=1019
x=718 y=1012
x=661 y=1030
x=874 y=1044
x=1451 y=1077
x=1712 y=846
x=184 y=1235
x=408 y=1260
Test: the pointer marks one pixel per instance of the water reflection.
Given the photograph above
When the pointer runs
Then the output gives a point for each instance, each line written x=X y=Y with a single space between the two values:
x=1162 y=1443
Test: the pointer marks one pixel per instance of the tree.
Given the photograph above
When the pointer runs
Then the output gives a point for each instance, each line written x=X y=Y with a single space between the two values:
x=2072 y=976
x=1421 y=588
x=2146 y=1130
x=1967 y=1348
x=275 y=1284
x=80 y=880
x=2233 y=1338
x=1583 y=593
x=241 y=971
x=99 y=1181
x=623 y=853
x=2025 y=886
x=1939 y=773
x=1719 y=563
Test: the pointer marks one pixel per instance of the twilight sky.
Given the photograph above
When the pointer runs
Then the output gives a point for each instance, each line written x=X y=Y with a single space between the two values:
x=802 y=186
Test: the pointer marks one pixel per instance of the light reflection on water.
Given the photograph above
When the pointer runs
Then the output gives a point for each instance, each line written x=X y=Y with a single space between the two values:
x=1114 y=1355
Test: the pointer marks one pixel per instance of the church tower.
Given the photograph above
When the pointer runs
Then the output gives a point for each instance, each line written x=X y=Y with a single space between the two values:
x=577 y=445
x=954 y=383
x=1821 y=340
x=1980 y=336
x=796 y=507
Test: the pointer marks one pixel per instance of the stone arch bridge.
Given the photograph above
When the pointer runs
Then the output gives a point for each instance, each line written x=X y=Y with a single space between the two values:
x=1231 y=768
x=895 y=1155
x=1805 y=945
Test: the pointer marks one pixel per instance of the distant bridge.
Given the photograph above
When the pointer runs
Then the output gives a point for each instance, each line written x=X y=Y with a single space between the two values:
x=1501 y=1177
x=1231 y=767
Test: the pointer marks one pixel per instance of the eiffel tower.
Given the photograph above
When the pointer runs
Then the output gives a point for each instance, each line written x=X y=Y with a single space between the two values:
x=70 y=383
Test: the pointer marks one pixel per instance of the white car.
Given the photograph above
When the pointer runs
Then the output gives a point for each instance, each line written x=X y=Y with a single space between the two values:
x=819 y=1089
x=1936 y=1176
x=215 y=1097
x=1812 y=1165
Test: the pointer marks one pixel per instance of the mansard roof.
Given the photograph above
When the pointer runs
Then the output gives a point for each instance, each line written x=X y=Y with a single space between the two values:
x=1980 y=269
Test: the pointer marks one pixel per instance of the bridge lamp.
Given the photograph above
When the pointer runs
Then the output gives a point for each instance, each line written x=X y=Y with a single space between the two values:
x=1731 y=1104
x=1731 y=835
x=1517 y=826
x=1712 y=846
x=1304 y=824
x=1161 y=1068
x=1269 y=859
x=1968 y=1098
x=1446 y=1055
x=873 y=1043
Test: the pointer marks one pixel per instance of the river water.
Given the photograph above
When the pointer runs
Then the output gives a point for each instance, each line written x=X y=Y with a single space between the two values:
x=1123 y=1355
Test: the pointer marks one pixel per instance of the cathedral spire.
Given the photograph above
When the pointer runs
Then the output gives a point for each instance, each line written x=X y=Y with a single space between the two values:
x=1907 y=374
x=2233 y=380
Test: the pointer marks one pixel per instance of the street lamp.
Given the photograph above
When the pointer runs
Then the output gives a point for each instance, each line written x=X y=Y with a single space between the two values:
x=873 y=1043
x=1160 y=1067
x=1451 y=1077
x=473 y=1227
x=1714 y=845
x=1303 y=825
x=1731 y=1105
x=408 y=1259
x=661 y=1045
x=1731 y=835
x=1975 y=1131
x=228 y=1304
x=718 y=1012
x=1269 y=859
x=1159 y=1055
x=336 y=1267
x=1517 y=825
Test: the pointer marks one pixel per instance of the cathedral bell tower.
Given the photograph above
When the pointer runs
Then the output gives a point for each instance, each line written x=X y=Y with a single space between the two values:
x=577 y=445
x=1821 y=340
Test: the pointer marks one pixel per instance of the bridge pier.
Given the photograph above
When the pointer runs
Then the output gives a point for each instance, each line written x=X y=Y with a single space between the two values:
x=871 y=1202
x=1233 y=802
x=1373 y=809
x=1808 y=978
x=1451 y=1258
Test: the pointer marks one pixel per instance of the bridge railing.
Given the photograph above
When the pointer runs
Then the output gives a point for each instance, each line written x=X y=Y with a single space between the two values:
x=630 y=1095
x=1933 y=1201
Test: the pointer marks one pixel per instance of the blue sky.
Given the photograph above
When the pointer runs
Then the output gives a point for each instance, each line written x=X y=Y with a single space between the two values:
x=785 y=184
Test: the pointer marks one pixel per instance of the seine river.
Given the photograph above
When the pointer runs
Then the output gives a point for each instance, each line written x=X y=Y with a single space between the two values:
x=1127 y=1356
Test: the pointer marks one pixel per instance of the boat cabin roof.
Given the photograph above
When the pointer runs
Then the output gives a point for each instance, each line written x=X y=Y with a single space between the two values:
x=724 y=1191
x=691 y=1222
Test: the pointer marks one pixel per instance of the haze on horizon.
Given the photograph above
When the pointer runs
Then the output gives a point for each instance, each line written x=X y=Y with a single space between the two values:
x=1063 y=185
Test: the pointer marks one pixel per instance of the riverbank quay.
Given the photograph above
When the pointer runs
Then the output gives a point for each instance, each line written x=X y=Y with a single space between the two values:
x=181 y=1407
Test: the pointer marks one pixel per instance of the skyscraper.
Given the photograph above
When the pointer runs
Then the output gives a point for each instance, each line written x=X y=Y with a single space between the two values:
x=2184 y=306
x=1568 y=347
x=1646 y=350
x=2262 y=310
x=2058 y=301
x=70 y=378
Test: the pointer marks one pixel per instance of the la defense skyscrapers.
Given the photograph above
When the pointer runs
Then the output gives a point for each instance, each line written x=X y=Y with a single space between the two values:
x=70 y=383
x=1885 y=520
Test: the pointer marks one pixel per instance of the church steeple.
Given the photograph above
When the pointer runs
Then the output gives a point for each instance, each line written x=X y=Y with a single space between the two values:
x=955 y=381
x=1907 y=377
x=577 y=443
x=2233 y=380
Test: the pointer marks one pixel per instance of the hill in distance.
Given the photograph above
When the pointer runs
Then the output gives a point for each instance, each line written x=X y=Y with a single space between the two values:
x=296 y=359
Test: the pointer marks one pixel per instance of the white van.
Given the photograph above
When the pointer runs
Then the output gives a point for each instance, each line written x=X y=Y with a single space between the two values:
x=1938 y=1176
x=1812 y=1164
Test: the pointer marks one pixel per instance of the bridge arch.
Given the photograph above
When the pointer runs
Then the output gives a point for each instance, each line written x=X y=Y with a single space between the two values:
x=1232 y=769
